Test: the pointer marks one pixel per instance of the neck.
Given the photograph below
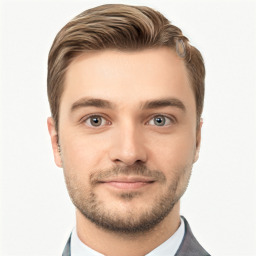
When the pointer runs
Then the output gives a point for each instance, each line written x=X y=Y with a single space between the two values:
x=109 y=243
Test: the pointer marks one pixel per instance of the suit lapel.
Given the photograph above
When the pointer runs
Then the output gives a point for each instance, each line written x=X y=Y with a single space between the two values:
x=67 y=251
x=189 y=245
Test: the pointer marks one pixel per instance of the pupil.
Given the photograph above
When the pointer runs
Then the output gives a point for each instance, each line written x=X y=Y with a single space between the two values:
x=96 y=121
x=159 y=121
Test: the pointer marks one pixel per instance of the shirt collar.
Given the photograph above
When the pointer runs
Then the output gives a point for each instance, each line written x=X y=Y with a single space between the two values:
x=169 y=247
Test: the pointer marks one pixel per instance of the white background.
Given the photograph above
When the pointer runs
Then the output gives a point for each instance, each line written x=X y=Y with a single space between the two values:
x=220 y=203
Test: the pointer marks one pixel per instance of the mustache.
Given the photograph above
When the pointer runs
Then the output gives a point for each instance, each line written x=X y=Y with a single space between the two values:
x=136 y=169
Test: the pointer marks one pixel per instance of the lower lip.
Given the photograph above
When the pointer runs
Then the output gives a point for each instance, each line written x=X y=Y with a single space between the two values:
x=127 y=185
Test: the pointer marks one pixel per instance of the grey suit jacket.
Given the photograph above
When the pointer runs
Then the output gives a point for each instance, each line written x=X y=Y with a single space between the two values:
x=189 y=245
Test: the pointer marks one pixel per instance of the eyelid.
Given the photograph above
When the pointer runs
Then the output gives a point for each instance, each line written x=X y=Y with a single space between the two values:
x=87 y=117
x=103 y=116
x=170 y=117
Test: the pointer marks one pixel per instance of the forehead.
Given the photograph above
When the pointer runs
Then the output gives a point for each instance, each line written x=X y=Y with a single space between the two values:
x=129 y=77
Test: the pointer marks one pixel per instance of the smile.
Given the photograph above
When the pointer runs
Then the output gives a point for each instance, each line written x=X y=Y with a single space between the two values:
x=128 y=183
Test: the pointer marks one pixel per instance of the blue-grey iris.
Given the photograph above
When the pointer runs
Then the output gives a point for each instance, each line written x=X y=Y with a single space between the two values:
x=159 y=120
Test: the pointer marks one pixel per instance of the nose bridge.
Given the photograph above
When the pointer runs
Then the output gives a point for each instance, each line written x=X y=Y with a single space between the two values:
x=127 y=144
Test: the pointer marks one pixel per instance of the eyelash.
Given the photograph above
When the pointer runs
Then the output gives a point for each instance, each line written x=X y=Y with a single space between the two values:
x=88 y=118
x=166 y=118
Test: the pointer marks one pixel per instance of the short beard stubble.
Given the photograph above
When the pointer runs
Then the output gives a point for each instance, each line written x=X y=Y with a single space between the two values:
x=94 y=210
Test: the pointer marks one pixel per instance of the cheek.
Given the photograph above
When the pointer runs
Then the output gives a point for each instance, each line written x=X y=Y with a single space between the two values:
x=80 y=153
x=173 y=152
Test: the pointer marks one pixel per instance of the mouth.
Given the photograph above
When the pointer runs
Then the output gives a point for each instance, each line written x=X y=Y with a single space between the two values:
x=127 y=182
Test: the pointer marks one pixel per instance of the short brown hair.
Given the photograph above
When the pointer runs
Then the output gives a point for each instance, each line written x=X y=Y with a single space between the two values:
x=122 y=27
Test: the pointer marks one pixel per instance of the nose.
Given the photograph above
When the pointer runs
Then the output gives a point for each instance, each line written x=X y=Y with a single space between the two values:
x=127 y=146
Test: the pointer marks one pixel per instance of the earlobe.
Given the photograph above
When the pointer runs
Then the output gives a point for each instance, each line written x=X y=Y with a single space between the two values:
x=198 y=140
x=54 y=140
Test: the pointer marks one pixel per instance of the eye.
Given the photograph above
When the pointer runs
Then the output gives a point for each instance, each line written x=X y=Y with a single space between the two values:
x=95 y=121
x=160 y=120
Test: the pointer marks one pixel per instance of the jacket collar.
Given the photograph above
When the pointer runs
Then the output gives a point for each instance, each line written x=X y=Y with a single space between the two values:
x=189 y=244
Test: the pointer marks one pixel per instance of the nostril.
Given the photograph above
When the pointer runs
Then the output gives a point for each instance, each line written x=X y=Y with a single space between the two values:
x=127 y=151
x=128 y=163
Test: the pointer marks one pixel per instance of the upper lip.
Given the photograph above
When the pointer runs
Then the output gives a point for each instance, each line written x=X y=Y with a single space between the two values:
x=128 y=179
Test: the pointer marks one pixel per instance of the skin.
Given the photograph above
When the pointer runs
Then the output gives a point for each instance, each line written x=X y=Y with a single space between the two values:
x=128 y=136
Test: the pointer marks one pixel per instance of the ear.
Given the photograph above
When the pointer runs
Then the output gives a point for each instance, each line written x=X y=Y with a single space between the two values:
x=198 y=140
x=54 y=140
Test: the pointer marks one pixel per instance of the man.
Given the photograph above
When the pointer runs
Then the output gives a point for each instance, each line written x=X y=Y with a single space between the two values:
x=126 y=94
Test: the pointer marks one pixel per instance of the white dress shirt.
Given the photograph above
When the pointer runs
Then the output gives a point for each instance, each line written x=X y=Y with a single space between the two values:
x=167 y=248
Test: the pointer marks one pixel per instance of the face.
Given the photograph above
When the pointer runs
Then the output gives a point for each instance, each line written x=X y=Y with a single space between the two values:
x=127 y=136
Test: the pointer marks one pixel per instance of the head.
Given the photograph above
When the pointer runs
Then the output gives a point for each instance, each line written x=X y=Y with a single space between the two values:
x=126 y=94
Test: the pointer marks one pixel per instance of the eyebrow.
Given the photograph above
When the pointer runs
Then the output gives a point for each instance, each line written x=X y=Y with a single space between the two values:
x=150 y=104
x=166 y=102
x=91 y=102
